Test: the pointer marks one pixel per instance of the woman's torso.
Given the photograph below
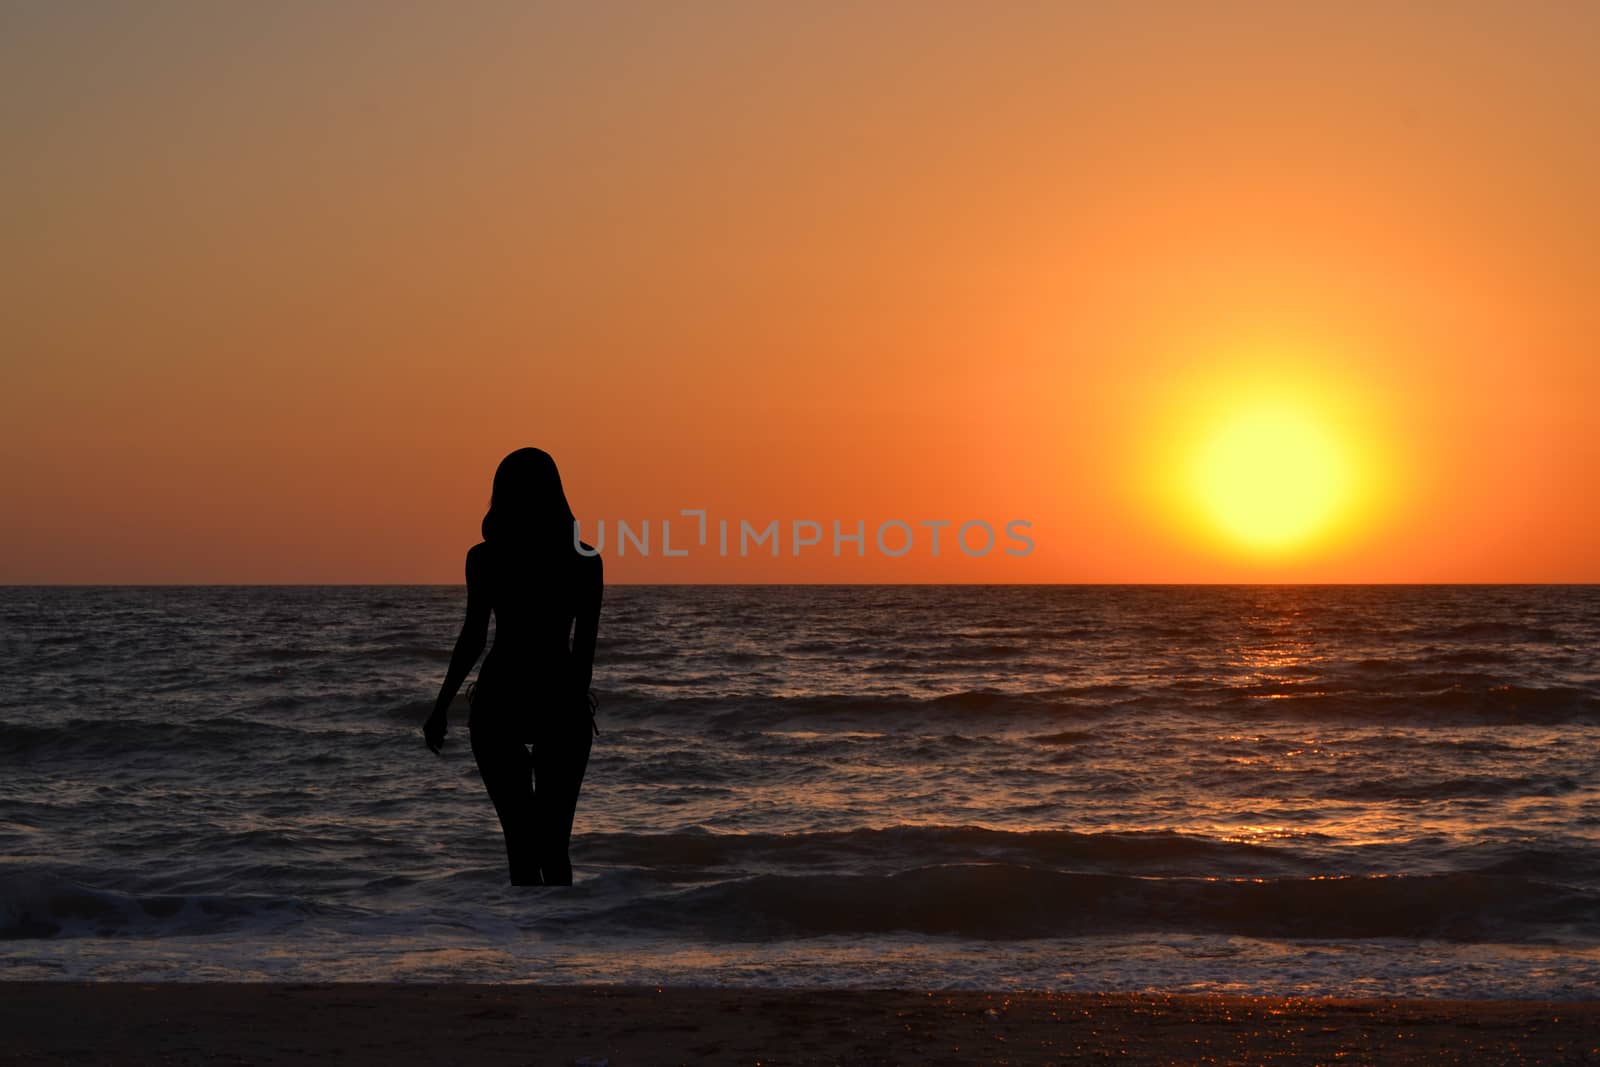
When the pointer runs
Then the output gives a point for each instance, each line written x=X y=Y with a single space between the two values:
x=535 y=599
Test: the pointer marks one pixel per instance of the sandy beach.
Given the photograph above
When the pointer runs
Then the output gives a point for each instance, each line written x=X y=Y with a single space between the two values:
x=174 y=1023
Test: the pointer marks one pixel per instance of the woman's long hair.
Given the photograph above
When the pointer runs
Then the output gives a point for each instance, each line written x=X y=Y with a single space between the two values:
x=528 y=508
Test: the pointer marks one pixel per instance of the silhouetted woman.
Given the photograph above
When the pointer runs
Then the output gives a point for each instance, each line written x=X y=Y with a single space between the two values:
x=534 y=685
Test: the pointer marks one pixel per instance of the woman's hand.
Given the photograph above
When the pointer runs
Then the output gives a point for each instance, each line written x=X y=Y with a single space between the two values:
x=433 y=731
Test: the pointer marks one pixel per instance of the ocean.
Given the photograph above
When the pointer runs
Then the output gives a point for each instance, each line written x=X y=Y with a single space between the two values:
x=1354 y=790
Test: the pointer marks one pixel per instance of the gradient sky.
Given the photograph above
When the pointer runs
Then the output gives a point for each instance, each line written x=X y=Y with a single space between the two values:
x=284 y=281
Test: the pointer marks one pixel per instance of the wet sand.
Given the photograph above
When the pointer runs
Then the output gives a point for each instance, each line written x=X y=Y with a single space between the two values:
x=48 y=1022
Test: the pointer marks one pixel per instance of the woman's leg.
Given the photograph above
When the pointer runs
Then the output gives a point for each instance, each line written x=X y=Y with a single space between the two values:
x=559 y=760
x=507 y=772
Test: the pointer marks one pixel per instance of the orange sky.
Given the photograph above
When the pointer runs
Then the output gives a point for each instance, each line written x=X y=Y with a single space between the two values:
x=283 y=283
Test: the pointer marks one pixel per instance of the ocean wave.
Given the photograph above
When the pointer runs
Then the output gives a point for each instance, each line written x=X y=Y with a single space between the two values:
x=42 y=904
x=416 y=711
x=1064 y=737
x=1482 y=704
x=1000 y=901
x=1145 y=851
x=1455 y=704
x=1486 y=630
x=741 y=711
x=120 y=738
x=406 y=651
x=1426 y=788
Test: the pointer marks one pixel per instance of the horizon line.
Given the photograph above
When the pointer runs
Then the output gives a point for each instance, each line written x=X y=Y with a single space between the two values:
x=749 y=585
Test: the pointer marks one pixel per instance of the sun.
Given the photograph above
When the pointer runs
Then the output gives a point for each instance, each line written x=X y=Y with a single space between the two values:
x=1270 y=476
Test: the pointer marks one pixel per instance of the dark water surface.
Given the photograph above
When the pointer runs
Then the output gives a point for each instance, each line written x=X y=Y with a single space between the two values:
x=1328 y=789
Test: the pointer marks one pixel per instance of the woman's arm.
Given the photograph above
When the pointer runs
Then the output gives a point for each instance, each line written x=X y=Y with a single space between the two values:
x=586 y=631
x=469 y=646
